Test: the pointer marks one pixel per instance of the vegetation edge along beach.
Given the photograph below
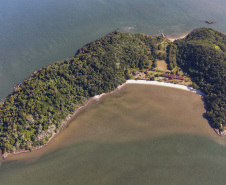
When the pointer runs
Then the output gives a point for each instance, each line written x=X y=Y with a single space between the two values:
x=39 y=106
x=98 y=97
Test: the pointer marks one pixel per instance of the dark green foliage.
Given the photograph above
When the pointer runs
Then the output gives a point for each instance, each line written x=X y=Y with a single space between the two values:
x=202 y=55
x=155 y=63
x=39 y=105
x=172 y=50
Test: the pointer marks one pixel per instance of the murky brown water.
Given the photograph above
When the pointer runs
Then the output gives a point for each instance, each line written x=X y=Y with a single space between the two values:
x=134 y=136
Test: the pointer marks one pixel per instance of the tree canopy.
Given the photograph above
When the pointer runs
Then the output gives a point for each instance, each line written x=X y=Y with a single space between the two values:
x=38 y=106
x=202 y=55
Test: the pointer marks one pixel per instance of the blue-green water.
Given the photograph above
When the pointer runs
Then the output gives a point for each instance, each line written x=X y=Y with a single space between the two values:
x=173 y=160
x=37 y=33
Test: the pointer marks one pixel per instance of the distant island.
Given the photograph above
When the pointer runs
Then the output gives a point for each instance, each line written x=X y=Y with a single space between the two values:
x=40 y=106
x=209 y=22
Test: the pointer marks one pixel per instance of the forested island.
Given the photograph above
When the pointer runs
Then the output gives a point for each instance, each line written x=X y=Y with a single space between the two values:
x=39 y=106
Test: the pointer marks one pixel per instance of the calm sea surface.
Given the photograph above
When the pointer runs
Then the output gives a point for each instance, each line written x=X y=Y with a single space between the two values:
x=141 y=135
x=37 y=33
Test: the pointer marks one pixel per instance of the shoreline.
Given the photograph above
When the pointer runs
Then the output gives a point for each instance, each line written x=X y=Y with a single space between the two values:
x=64 y=123
x=176 y=38
x=165 y=84
x=98 y=97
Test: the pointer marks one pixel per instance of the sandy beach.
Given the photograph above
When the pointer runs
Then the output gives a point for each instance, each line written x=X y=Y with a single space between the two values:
x=173 y=39
x=182 y=87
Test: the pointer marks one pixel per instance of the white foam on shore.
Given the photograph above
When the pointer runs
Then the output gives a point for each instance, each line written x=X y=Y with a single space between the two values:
x=97 y=97
x=165 y=84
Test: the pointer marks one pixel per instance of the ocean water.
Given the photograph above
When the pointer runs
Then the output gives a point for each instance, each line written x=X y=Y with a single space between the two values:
x=37 y=33
x=141 y=135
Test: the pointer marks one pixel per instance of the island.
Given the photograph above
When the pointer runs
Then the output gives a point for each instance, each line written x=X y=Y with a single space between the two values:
x=41 y=105
x=209 y=22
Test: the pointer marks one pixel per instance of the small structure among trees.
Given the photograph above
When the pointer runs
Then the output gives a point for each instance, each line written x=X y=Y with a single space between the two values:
x=173 y=76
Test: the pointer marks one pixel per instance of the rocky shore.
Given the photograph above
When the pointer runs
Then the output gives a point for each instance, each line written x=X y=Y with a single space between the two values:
x=223 y=133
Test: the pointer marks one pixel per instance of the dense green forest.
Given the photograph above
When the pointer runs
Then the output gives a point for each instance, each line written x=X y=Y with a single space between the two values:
x=38 y=106
x=202 y=54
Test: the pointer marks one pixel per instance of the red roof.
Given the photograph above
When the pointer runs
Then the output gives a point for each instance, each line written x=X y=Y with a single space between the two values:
x=173 y=76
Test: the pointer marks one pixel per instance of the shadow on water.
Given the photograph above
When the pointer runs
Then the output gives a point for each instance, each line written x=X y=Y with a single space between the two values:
x=205 y=116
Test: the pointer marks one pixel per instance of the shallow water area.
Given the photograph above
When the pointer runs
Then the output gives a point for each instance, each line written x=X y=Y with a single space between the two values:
x=142 y=134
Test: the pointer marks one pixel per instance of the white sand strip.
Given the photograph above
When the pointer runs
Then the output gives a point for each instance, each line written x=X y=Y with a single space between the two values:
x=176 y=38
x=165 y=85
